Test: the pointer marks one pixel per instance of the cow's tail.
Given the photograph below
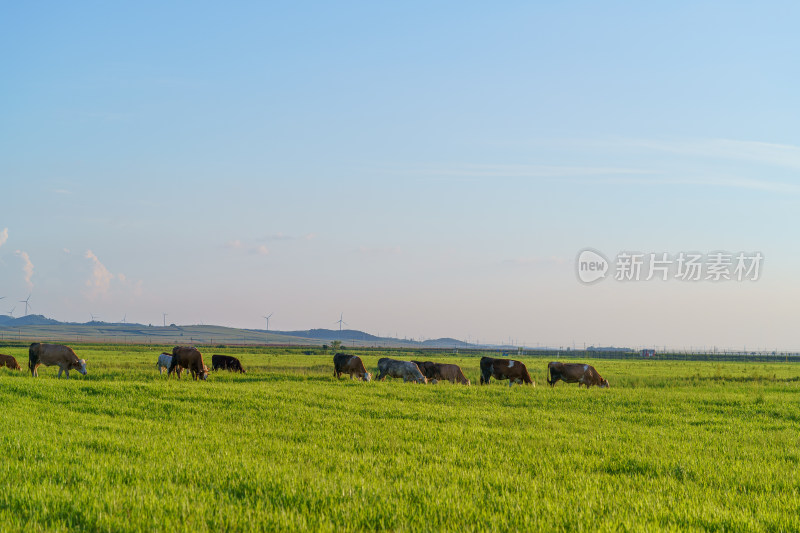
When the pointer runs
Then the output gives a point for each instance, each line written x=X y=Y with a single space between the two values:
x=550 y=379
x=33 y=356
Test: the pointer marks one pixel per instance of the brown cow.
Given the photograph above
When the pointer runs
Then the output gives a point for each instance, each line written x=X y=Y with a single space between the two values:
x=513 y=371
x=188 y=357
x=575 y=373
x=9 y=361
x=54 y=354
x=442 y=371
x=350 y=364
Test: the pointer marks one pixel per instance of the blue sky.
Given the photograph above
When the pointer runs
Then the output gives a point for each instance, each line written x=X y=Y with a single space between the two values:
x=427 y=169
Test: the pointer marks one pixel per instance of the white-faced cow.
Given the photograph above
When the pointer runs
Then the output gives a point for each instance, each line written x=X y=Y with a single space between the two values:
x=513 y=371
x=54 y=354
x=442 y=371
x=399 y=369
x=575 y=373
x=350 y=364
x=190 y=358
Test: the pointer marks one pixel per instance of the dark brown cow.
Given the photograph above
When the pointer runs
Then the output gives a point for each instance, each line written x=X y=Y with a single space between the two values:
x=226 y=362
x=9 y=361
x=442 y=371
x=54 y=354
x=575 y=373
x=350 y=364
x=188 y=357
x=513 y=371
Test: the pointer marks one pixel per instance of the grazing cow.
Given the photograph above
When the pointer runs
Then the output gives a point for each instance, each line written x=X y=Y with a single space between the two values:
x=188 y=357
x=54 y=354
x=513 y=371
x=441 y=371
x=575 y=373
x=164 y=362
x=226 y=362
x=344 y=363
x=399 y=369
x=9 y=361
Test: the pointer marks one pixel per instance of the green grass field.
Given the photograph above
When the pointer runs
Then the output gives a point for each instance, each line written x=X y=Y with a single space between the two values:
x=676 y=446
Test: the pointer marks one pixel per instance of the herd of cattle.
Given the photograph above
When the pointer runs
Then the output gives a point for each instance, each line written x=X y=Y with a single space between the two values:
x=189 y=358
x=500 y=369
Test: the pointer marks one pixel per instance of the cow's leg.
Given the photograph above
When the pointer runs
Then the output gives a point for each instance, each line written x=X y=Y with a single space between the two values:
x=60 y=370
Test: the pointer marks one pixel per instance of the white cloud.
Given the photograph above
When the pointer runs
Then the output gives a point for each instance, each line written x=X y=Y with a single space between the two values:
x=234 y=244
x=3 y=236
x=27 y=267
x=100 y=280
x=260 y=250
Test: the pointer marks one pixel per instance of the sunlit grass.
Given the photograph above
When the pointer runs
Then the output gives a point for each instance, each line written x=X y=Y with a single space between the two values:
x=671 y=446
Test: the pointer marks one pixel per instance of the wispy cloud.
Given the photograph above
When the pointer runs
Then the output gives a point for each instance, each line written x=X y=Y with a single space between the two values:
x=100 y=280
x=531 y=171
x=718 y=181
x=3 y=236
x=654 y=162
x=781 y=155
x=236 y=244
x=27 y=267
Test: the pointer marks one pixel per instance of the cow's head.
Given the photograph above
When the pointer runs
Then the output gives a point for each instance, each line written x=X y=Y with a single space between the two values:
x=604 y=384
x=80 y=366
x=204 y=373
x=16 y=366
x=366 y=376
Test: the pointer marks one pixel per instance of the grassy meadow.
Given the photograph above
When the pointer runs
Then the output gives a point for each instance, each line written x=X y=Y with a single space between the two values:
x=681 y=446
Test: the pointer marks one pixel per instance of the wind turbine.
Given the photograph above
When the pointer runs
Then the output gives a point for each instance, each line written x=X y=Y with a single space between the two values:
x=267 y=317
x=25 y=301
x=94 y=318
x=340 y=322
x=165 y=319
x=11 y=313
x=124 y=317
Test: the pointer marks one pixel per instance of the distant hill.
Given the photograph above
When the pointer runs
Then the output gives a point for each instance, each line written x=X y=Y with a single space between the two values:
x=331 y=334
x=40 y=328
x=27 y=320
